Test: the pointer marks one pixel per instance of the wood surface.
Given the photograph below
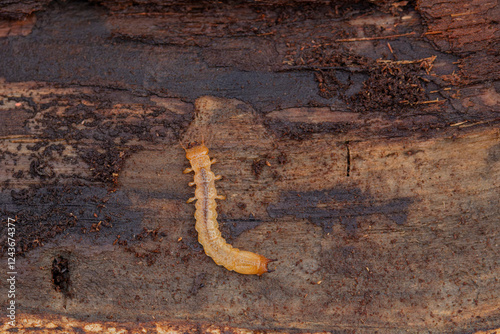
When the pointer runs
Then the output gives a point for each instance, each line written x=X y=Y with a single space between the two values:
x=359 y=144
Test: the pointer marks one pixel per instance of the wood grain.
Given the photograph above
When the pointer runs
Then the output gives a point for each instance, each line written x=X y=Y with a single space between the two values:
x=367 y=164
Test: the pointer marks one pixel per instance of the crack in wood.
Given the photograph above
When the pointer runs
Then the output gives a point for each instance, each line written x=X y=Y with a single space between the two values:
x=348 y=172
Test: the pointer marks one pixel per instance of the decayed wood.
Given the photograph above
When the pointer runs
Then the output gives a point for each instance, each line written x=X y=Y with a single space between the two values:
x=370 y=172
x=405 y=241
x=20 y=10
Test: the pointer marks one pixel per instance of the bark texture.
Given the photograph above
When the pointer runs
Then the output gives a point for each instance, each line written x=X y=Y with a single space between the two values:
x=359 y=144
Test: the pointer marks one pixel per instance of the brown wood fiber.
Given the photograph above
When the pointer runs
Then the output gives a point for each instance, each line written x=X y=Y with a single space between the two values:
x=359 y=144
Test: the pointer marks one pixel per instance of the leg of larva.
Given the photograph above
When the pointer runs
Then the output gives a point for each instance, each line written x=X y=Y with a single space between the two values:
x=187 y=170
x=220 y=197
x=213 y=161
x=218 y=177
x=191 y=184
x=192 y=199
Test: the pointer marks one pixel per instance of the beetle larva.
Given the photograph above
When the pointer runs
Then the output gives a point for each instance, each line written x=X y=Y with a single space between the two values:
x=209 y=236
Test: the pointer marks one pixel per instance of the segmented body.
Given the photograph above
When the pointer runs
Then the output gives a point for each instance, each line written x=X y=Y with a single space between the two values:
x=207 y=227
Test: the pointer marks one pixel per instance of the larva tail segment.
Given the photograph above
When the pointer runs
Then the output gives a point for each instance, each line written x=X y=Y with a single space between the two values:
x=263 y=268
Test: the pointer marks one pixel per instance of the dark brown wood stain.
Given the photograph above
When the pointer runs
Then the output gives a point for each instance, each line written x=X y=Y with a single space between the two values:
x=358 y=143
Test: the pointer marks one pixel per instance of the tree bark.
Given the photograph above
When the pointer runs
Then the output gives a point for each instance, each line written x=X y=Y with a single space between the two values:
x=359 y=146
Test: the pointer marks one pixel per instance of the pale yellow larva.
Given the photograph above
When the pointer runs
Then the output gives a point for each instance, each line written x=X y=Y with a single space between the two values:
x=209 y=236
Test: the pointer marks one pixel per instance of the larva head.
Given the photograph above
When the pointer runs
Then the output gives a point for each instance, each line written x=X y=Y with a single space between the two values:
x=196 y=151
